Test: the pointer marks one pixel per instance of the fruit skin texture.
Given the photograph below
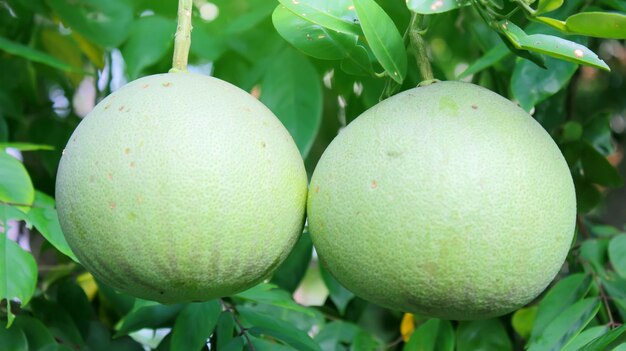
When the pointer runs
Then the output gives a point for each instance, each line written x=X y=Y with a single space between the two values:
x=446 y=200
x=181 y=187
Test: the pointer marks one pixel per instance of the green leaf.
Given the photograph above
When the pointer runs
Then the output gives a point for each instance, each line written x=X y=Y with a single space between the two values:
x=18 y=270
x=12 y=339
x=586 y=337
x=523 y=319
x=597 y=168
x=531 y=84
x=224 y=330
x=617 y=254
x=263 y=324
x=566 y=326
x=194 y=325
x=100 y=340
x=106 y=23
x=146 y=314
x=490 y=58
x=485 y=335
x=548 y=5
x=43 y=216
x=292 y=89
x=383 y=38
x=432 y=335
x=554 y=23
x=608 y=341
x=235 y=344
x=562 y=295
x=594 y=251
x=15 y=184
x=26 y=146
x=336 y=334
x=73 y=299
x=150 y=39
x=265 y=345
x=337 y=15
x=552 y=46
x=271 y=295
x=598 y=24
x=34 y=55
x=427 y=7
x=290 y=273
x=58 y=321
x=340 y=296
x=36 y=333
x=587 y=195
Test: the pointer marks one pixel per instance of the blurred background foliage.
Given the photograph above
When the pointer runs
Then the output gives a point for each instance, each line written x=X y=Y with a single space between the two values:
x=58 y=58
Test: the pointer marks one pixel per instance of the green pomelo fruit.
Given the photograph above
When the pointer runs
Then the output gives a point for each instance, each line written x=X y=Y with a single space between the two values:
x=180 y=187
x=446 y=200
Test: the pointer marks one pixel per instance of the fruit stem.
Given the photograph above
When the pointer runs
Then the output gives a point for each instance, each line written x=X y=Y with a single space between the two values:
x=419 y=46
x=182 y=39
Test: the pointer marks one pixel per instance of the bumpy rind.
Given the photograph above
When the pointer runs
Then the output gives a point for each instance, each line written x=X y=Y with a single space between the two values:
x=181 y=187
x=446 y=200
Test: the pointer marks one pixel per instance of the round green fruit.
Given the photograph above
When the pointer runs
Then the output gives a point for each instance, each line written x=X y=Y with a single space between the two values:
x=446 y=200
x=180 y=187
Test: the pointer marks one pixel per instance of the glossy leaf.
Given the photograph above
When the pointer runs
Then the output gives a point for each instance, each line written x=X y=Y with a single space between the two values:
x=340 y=296
x=235 y=344
x=18 y=269
x=336 y=15
x=34 y=55
x=339 y=333
x=554 y=23
x=12 y=339
x=271 y=295
x=608 y=341
x=428 y=7
x=383 y=38
x=587 y=195
x=150 y=39
x=531 y=84
x=292 y=89
x=262 y=324
x=490 y=58
x=194 y=325
x=552 y=46
x=146 y=314
x=566 y=326
x=523 y=320
x=432 y=335
x=598 y=24
x=485 y=335
x=585 y=337
x=594 y=251
x=562 y=295
x=225 y=329
x=617 y=254
x=548 y=6
x=37 y=334
x=106 y=23
x=598 y=169
x=15 y=184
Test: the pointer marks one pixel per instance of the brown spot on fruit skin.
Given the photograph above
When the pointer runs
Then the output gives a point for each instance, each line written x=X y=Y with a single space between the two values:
x=127 y=151
x=107 y=107
x=145 y=86
x=121 y=108
x=263 y=145
x=317 y=189
x=475 y=107
x=112 y=205
x=132 y=165
x=168 y=84
x=374 y=184
x=110 y=176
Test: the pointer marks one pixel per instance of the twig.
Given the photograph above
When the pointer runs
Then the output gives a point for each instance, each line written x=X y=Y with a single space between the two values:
x=244 y=330
x=605 y=301
x=581 y=227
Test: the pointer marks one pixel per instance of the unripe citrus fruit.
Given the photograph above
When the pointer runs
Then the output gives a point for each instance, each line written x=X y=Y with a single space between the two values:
x=446 y=200
x=181 y=187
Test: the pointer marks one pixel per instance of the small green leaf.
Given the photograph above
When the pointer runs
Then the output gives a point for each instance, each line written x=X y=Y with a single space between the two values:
x=598 y=24
x=12 y=339
x=271 y=295
x=554 y=23
x=224 y=330
x=292 y=89
x=552 y=46
x=594 y=251
x=146 y=314
x=383 y=37
x=566 y=326
x=15 y=184
x=597 y=168
x=26 y=146
x=36 y=332
x=336 y=334
x=106 y=23
x=150 y=39
x=490 y=58
x=572 y=131
x=523 y=319
x=235 y=344
x=34 y=55
x=427 y=7
x=340 y=296
x=58 y=321
x=432 y=335
x=586 y=337
x=608 y=341
x=617 y=254
x=562 y=295
x=18 y=269
x=587 y=195
x=548 y=5
x=194 y=325
x=263 y=324
x=337 y=15
x=485 y=335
